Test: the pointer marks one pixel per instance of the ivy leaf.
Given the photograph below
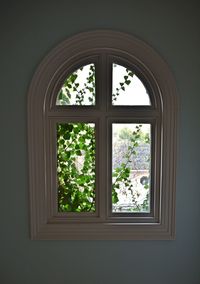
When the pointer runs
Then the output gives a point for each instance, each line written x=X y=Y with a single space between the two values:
x=114 y=197
x=78 y=153
x=66 y=136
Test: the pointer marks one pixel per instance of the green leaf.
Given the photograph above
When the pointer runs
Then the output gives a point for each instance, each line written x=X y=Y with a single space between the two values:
x=69 y=85
x=114 y=197
x=66 y=136
x=78 y=153
x=69 y=127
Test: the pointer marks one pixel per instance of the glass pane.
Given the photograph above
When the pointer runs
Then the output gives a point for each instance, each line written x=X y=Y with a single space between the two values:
x=131 y=167
x=127 y=89
x=76 y=167
x=79 y=87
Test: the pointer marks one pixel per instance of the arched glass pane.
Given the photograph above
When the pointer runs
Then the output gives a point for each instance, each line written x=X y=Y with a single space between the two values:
x=79 y=87
x=131 y=167
x=127 y=88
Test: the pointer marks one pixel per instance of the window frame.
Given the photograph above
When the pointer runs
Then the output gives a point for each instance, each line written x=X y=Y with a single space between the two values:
x=101 y=47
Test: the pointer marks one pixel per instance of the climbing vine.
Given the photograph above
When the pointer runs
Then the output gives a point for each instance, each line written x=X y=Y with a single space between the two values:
x=76 y=167
x=76 y=150
x=74 y=92
x=122 y=179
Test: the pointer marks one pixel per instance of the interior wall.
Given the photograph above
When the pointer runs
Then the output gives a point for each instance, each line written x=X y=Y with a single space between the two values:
x=28 y=31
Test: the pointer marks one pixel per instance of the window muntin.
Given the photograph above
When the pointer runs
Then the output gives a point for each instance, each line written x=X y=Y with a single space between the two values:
x=127 y=88
x=125 y=75
x=44 y=115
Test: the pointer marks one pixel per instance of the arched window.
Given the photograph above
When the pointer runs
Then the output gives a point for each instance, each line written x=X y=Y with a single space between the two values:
x=102 y=114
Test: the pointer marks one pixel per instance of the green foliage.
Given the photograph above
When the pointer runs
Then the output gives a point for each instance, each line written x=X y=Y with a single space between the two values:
x=122 y=85
x=72 y=88
x=76 y=151
x=122 y=173
x=76 y=167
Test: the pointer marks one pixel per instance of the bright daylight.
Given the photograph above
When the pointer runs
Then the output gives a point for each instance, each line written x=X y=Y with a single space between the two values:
x=131 y=146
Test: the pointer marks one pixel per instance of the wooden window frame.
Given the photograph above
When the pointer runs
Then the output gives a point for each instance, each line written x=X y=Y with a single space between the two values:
x=101 y=47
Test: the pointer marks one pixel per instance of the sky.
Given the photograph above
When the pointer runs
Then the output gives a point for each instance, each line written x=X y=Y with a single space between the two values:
x=134 y=93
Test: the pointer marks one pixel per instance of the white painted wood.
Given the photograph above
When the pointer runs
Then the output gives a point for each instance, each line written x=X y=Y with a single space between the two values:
x=101 y=47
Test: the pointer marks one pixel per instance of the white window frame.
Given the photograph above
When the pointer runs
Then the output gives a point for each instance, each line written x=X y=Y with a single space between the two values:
x=101 y=48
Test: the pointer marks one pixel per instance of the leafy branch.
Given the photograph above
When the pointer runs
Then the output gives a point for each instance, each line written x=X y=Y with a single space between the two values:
x=122 y=172
x=76 y=151
x=76 y=181
x=122 y=85
x=71 y=87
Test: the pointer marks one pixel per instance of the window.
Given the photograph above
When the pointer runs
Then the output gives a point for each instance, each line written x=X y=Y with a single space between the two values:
x=102 y=123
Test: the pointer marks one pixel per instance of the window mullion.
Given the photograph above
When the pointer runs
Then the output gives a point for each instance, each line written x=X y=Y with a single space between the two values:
x=103 y=91
x=51 y=139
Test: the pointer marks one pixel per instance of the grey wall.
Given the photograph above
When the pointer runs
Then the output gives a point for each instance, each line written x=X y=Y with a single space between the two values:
x=29 y=30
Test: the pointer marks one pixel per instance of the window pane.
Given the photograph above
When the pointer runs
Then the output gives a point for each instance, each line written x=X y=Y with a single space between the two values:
x=131 y=167
x=76 y=167
x=127 y=89
x=79 y=87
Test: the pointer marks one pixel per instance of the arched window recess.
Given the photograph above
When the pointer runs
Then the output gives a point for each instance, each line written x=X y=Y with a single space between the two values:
x=102 y=116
